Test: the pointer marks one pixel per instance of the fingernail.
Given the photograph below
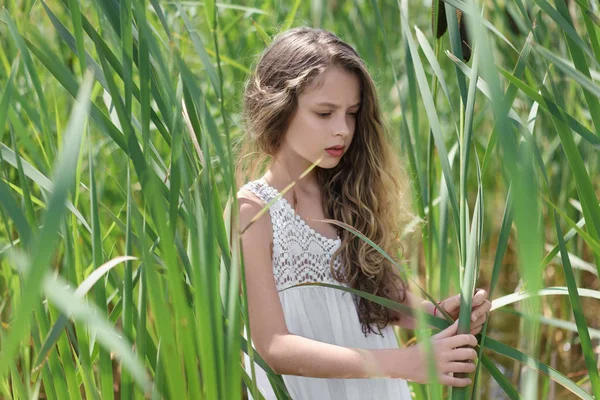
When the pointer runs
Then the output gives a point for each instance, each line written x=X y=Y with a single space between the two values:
x=473 y=317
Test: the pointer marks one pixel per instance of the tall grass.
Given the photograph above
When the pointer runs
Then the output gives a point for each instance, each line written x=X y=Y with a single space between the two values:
x=119 y=128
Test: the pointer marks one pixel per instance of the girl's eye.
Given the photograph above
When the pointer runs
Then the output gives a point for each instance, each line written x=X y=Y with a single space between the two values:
x=327 y=114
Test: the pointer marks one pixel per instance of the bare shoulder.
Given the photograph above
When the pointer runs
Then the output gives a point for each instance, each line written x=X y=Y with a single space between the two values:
x=257 y=234
x=249 y=206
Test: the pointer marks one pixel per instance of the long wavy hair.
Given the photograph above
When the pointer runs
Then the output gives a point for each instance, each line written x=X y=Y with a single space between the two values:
x=367 y=190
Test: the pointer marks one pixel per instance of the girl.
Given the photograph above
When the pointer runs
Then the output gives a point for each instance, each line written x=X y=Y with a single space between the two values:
x=309 y=98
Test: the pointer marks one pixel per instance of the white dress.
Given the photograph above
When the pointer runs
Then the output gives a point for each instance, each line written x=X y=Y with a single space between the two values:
x=300 y=255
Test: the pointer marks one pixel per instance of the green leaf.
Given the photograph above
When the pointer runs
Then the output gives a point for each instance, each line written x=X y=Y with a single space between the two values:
x=289 y=19
x=77 y=27
x=28 y=61
x=554 y=109
x=433 y=120
x=586 y=82
x=550 y=291
x=530 y=362
x=566 y=27
x=36 y=176
x=200 y=49
x=65 y=299
x=45 y=242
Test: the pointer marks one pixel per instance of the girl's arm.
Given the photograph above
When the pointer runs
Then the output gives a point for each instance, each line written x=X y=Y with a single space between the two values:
x=291 y=354
x=296 y=355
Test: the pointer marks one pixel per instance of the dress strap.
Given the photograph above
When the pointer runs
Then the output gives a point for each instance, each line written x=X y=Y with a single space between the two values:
x=261 y=189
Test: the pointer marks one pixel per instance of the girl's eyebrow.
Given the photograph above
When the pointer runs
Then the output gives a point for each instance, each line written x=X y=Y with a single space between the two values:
x=332 y=105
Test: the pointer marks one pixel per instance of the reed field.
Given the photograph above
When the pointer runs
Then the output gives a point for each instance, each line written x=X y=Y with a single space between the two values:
x=120 y=135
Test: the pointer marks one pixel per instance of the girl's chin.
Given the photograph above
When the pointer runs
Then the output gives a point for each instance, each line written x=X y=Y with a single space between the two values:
x=329 y=164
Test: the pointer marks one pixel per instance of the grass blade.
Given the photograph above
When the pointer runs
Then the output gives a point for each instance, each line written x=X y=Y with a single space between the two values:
x=47 y=238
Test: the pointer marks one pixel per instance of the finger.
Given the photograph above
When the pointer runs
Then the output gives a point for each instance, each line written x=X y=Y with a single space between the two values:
x=476 y=330
x=478 y=324
x=460 y=367
x=480 y=313
x=479 y=298
x=452 y=381
x=480 y=321
x=462 y=340
x=448 y=332
x=477 y=301
x=474 y=316
x=479 y=310
x=484 y=307
x=452 y=303
x=463 y=354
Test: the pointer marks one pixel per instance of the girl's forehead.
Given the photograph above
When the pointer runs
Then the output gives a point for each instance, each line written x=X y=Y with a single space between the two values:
x=334 y=85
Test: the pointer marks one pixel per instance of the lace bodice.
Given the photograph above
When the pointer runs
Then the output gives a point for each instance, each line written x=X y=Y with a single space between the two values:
x=300 y=254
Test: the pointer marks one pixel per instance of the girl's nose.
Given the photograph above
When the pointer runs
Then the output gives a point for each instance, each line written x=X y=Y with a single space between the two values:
x=342 y=126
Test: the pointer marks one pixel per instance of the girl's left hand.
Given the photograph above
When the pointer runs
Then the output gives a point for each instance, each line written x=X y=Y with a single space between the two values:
x=480 y=306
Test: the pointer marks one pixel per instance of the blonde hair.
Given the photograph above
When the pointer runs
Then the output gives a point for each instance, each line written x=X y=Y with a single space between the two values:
x=366 y=190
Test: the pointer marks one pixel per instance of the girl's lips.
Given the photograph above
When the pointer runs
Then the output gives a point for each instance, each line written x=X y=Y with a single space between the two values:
x=335 y=152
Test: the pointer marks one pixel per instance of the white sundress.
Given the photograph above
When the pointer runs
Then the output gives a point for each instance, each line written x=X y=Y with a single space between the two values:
x=300 y=255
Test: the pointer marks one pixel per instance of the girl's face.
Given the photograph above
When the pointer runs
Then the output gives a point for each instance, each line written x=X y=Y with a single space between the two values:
x=325 y=118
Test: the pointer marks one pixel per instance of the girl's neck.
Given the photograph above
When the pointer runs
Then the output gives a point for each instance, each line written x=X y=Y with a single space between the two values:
x=279 y=177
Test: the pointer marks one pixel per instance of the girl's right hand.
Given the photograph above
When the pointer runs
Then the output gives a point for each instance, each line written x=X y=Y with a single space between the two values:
x=450 y=357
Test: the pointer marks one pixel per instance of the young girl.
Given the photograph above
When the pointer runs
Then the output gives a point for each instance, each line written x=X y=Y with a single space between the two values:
x=309 y=98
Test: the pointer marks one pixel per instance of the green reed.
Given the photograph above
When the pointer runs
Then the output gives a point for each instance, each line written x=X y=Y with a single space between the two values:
x=120 y=266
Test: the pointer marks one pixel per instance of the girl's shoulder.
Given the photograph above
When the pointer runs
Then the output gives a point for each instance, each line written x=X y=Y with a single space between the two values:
x=249 y=208
x=250 y=191
x=251 y=201
x=257 y=190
